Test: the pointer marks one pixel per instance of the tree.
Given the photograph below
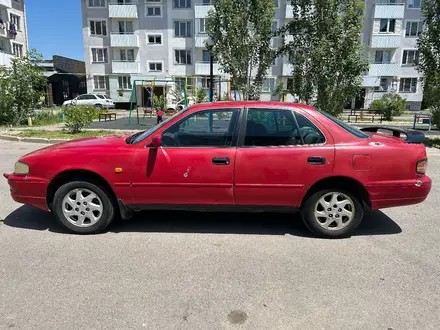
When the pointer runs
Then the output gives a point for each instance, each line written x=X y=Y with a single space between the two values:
x=325 y=51
x=429 y=59
x=22 y=84
x=241 y=33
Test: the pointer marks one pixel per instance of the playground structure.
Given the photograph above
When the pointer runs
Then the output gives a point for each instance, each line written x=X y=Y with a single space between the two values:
x=177 y=91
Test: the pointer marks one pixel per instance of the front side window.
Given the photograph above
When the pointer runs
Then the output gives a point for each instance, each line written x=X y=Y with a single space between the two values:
x=270 y=127
x=210 y=128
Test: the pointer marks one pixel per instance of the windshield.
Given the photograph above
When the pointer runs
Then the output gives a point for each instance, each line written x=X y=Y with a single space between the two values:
x=138 y=137
x=350 y=129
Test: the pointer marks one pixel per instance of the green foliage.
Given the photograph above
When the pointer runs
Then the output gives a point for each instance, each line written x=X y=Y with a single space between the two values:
x=159 y=102
x=241 y=33
x=79 y=117
x=435 y=112
x=200 y=95
x=390 y=105
x=326 y=51
x=47 y=117
x=21 y=86
x=429 y=58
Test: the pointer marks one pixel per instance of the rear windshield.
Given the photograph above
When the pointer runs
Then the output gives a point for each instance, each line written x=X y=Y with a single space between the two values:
x=350 y=129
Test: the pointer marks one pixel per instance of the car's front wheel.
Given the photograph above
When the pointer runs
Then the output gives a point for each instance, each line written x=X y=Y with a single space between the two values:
x=98 y=106
x=332 y=213
x=83 y=207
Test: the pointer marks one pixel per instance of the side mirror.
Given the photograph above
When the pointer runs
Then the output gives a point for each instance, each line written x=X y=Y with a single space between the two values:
x=155 y=142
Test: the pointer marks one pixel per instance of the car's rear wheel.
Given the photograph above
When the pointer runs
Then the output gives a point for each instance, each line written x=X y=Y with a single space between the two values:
x=83 y=207
x=332 y=213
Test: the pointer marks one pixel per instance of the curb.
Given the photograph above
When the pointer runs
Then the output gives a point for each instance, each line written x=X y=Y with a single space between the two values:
x=31 y=140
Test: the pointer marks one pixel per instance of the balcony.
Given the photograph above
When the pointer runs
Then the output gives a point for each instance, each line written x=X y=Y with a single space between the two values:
x=287 y=69
x=6 y=3
x=125 y=67
x=125 y=9
x=5 y=59
x=370 y=81
x=201 y=8
x=124 y=40
x=202 y=68
x=384 y=69
x=200 y=40
x=389 y=9
x=385 y=41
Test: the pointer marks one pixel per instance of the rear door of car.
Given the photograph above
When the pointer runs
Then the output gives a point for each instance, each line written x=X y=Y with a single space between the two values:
x=193 y=166
x=281 y=153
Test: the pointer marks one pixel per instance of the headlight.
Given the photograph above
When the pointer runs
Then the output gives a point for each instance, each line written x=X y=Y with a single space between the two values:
x=21 y=168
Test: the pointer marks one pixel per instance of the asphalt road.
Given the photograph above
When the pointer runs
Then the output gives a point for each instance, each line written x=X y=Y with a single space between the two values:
x=206 y=271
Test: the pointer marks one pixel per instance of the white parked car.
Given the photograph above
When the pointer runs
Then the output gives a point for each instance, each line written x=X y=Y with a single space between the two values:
x=173 y=104
x=97 y=100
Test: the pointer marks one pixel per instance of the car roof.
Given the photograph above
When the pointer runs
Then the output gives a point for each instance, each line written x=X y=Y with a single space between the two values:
x=258 y=104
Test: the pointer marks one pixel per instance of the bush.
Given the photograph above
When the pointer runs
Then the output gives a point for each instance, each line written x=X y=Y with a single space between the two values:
x=78 y=117
x=436 y=116
x=159 y=102
x=390 y=105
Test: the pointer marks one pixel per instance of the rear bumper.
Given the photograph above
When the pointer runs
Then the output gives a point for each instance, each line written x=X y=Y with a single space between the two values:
x=28 y=190
x=399 y=194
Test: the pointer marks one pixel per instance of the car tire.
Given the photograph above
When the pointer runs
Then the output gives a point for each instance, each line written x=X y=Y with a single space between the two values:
x=325 y=220
x=98 y=106
x=93 y=214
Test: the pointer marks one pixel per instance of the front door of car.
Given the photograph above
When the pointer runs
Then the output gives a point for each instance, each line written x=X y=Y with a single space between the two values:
x=282 y=154
x=194 y=164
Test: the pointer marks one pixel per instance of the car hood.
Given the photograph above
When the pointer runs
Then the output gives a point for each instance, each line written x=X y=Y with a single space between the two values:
x=109 y=141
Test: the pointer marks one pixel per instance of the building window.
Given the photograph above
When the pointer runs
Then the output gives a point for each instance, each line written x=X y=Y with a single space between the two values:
x=127 y=55
x=126 y=27
x=153 y=1
x=387 y=25
x=206 y=56
x=410 y=57
x=268 y=85
x=99 y=55
x=124 y=82
x=202 y=25
x=408 y=85
x=98 y=28
x=96 y=3
x=17 y=49
x=277 y=4
x=155 y=66
x=153 y=11
x=383 y=87
x=413 y=29
x=182 y=56
x=382 y=57
x=100 y=82
x=274 y=26
x=82 y=84
x=16 y=20
x=414 y=3
x=182 y=29
x=182 y=3
x=154 y=39
x=274 y=62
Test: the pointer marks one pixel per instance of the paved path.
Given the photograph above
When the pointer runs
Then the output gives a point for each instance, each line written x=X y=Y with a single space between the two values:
x=165 y=270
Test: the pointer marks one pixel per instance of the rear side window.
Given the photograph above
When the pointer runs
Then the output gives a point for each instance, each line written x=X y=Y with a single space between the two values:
x=350 y=129
x=271 y=127
x=101 y=97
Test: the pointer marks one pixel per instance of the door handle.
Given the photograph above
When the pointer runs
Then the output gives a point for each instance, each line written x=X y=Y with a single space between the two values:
x=221 y=161
x=316 y=160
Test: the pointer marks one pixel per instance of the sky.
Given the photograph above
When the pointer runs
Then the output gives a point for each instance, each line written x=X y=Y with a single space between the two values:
x=55 y=27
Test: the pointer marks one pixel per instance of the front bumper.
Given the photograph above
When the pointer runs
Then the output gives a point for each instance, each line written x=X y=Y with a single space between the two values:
x=28 y=190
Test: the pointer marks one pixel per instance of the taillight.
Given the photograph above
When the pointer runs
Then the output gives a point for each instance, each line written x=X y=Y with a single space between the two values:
x=421 y=167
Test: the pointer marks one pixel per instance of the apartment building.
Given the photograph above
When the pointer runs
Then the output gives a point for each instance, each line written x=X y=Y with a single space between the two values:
x=13 y=30
x=127 y=40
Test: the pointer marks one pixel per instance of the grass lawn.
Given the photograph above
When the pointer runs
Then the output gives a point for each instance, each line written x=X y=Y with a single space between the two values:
x=64 y=134
x=433 y=142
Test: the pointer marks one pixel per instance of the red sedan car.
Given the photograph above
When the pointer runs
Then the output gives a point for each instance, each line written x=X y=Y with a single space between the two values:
x=226 y=156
